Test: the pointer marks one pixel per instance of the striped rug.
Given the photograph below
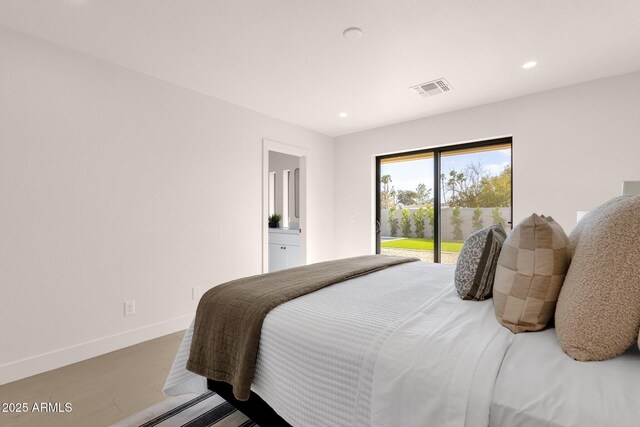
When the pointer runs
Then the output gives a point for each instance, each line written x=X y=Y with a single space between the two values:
x=191 y=410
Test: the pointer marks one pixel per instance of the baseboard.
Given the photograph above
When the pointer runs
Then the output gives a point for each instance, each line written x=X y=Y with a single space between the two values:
x=65 y=356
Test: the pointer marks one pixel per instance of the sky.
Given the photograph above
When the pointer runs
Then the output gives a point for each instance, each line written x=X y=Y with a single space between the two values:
x=407 y=175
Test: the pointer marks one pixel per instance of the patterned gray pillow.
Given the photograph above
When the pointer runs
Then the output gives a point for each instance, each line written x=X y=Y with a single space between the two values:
x=476 y=266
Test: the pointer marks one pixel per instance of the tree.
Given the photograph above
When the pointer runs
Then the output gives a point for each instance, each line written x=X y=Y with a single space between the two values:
x=475 y=187
x=496 y=190
x=455 y=186
x=477 y=220
x=474 y=174
x=431 y=215
x=406 y=223
x=423 y=195
x=406 y=197
x=388 y=193
x=443 y=193
x=463 y=187
x=393 y=221
x=418 y=220
x=456 y=222
x=497 y=216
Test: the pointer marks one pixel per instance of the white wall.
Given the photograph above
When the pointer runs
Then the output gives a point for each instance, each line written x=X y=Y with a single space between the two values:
x=115 y=185
x=279 y=162
x=572 y=148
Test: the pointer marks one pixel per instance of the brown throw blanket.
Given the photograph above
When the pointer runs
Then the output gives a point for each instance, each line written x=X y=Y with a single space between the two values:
x=229 y=318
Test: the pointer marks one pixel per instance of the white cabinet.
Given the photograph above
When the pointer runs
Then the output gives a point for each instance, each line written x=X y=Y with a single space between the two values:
x=284 y=249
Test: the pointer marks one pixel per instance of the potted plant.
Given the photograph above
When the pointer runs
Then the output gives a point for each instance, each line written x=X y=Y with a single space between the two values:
x=274 y=221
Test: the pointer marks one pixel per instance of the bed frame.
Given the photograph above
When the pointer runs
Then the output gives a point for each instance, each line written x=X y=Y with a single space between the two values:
x=254 y=408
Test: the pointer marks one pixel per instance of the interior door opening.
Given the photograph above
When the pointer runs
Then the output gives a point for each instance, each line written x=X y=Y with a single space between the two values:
x=284 y=206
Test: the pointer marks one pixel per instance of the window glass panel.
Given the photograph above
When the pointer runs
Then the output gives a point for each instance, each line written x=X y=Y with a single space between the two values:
x=475 y=189
x=406 y=206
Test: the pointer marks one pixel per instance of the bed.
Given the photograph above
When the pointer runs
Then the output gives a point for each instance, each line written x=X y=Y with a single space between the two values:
x=398 y=347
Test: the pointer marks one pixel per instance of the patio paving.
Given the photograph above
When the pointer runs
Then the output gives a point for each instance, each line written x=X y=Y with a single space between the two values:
x=426 y=256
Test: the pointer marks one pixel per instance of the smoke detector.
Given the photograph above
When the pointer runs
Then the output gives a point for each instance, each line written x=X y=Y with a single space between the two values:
x=432 y=88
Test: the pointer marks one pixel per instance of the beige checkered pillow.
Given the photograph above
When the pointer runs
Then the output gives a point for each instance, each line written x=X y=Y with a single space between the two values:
x=531 y=269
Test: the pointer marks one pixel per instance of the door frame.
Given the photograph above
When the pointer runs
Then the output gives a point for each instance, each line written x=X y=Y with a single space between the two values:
x=437 y=151
x=292 y=150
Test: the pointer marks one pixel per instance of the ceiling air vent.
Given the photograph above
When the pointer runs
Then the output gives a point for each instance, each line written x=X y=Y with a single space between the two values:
x=435 y=87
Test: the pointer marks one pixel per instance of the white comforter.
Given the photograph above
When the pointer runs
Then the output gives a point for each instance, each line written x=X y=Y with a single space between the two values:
x=539 y=385
x=393 y=348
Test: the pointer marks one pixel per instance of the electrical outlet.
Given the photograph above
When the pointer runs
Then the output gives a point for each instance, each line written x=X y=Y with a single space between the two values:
x=130 y=307
x=196 y=293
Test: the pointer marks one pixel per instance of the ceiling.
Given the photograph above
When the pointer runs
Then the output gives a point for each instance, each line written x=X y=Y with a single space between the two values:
x=288 y=58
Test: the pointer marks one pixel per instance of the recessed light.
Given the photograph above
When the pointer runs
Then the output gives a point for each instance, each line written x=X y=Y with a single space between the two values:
x=352 y=33
x=529 y=64
x=342 y=115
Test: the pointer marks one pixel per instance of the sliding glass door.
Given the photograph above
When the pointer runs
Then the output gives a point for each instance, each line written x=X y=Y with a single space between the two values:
x=417 y=218
x=406 y=214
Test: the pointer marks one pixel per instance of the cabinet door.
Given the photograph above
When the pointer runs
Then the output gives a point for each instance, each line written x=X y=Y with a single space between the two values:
x=276 y=257
x=291 y=256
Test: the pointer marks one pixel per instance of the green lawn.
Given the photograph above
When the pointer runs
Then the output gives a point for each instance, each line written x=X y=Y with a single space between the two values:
x=421 y=244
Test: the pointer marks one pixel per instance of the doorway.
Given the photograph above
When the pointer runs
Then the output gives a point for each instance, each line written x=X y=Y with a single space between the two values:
x=284 y=206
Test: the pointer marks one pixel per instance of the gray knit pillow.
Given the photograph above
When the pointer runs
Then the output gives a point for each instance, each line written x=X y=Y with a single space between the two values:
x=476 y=266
